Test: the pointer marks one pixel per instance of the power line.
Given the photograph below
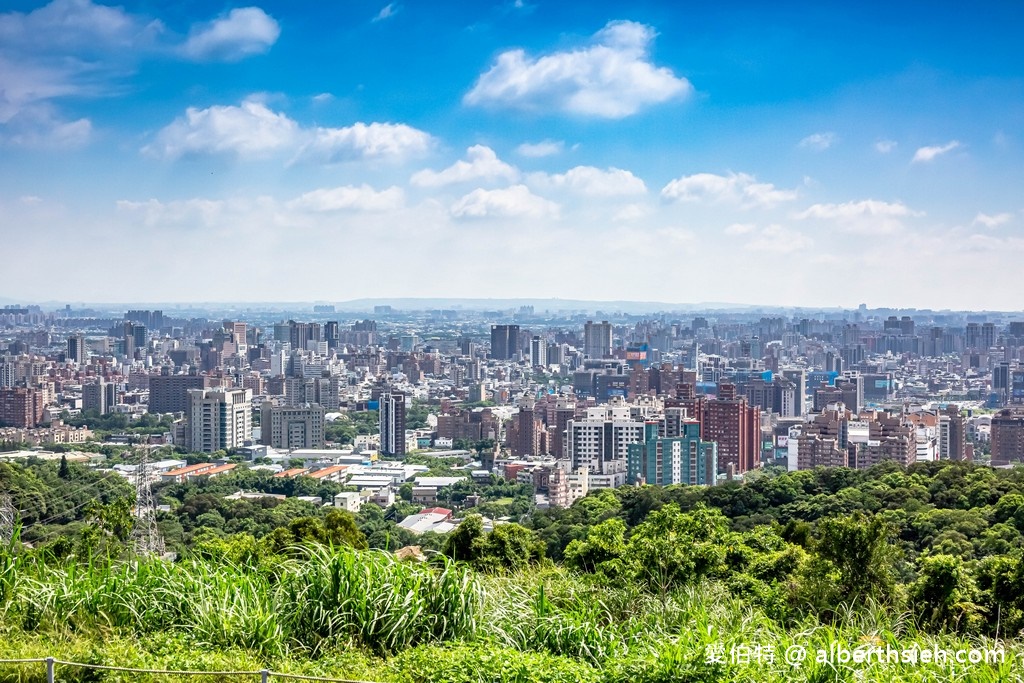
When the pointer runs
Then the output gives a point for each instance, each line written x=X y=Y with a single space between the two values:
x=69 y=496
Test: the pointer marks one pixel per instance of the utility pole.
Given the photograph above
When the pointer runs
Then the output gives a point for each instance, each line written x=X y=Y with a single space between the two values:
x=146 y=537
x=6 y=519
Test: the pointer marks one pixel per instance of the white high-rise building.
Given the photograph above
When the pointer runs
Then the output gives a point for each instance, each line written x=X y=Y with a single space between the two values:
x=600 y=442
x=218 y=419
x=538 y=352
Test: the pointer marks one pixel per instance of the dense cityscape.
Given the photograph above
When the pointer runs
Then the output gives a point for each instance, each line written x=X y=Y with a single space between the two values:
x=562 y=394
x=513 y=341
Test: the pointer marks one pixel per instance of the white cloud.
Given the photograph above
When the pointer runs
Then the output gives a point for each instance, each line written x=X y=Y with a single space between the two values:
x=254 y=130
x=322 y=97
x=592 y=181
x=249 y=130
x=38 y=126
x=885 y=146
x=241 y=33
x=207 y=213
x=386 y=12
x=366 y=141
x=65 y=25
x=819 y=142
x=740 y=229
x=544 y=148
x=736 y=188
x=512 y=202
x=925 y=154
x=611 y=78
x=992 y=221
x=481 y=163
x=350 y=198
x=868 y=216
x=777 y=239
x=80 y=48
x=631 y=212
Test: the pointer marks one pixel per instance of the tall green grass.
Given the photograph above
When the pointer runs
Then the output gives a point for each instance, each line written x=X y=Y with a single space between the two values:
x=410 y=621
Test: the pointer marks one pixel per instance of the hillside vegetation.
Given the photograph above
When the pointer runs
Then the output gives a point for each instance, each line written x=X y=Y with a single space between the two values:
x=638 y=584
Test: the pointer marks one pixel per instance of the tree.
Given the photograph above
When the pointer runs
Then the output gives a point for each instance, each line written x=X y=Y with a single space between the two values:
x=509 y=548
x=943 y=595
x=64 y=472
x=461 y=543
x=855 y=560
x=601 y=551
x=341 y=529
x=672 y=548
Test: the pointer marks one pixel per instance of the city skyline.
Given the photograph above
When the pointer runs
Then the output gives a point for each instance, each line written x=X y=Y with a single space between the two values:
x=776 y=156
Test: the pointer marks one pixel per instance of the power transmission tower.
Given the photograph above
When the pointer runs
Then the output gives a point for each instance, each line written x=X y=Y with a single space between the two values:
x=146 y=537
x=6 y=519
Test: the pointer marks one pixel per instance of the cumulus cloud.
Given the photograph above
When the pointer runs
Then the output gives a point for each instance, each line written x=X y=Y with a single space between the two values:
x=612 y=77
x=591 y=181
x=242 y=32
x=253 y=130
x=885 y=146
x=992 y=221
x=544 y=148
x=868 y=216
x=349 y=198
x=925 y=154
x=481 y=163
x=736 y=188
x=818 y=142
x=512 y=202
x=249 y=130
x=365 y=141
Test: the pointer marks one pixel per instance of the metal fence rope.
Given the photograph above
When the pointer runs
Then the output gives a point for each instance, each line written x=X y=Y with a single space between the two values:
x=264 y=675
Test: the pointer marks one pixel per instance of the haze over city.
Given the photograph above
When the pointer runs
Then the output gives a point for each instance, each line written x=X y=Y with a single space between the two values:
x=755 y=154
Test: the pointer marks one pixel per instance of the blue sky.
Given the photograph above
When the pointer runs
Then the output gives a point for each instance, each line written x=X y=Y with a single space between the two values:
x=774 y=153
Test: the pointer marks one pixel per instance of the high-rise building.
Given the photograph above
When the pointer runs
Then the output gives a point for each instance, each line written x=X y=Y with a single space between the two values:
x=680 y=459
x=538 y=352
x=1008 y=437
x=218 y=419
x=133 y=337
x=292 y=427
x=94 y=397
x=392 y=423
x=20 y=407
x=600 y=441
x=952 y=434
x=332 y=334
x=525 y=431
x=302 y=334
x=597 y=339
x=1016 y=388
x=735 y=427
x=504 y=341
x=77 y=352
x=169 y=393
